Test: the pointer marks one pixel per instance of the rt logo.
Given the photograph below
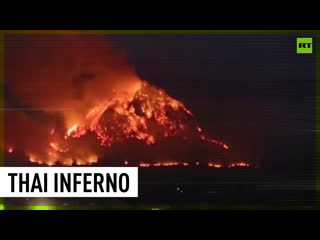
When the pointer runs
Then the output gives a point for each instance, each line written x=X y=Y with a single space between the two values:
x=304 y=45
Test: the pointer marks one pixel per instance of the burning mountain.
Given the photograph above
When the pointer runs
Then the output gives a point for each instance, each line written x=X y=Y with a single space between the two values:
x=71 y=100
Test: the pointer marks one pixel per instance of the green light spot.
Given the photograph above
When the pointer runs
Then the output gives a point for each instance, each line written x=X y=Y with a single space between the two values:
x=41 y=208
x=1 y=207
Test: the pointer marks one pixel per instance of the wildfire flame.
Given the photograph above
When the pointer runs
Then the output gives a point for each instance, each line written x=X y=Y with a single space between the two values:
x=10 y=150
x=102 y=98
x=148 y=116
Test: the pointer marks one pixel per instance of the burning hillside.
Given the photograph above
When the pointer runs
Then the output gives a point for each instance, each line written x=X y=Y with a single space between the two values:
x=72 y=100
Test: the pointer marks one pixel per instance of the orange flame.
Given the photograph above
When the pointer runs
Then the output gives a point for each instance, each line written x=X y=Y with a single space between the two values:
x=148 y=115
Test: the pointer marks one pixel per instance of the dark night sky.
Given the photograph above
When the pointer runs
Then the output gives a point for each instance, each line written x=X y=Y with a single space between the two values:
x=252 y=91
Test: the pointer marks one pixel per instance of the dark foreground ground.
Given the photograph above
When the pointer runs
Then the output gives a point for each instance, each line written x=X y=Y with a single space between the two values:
x=203 y=187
